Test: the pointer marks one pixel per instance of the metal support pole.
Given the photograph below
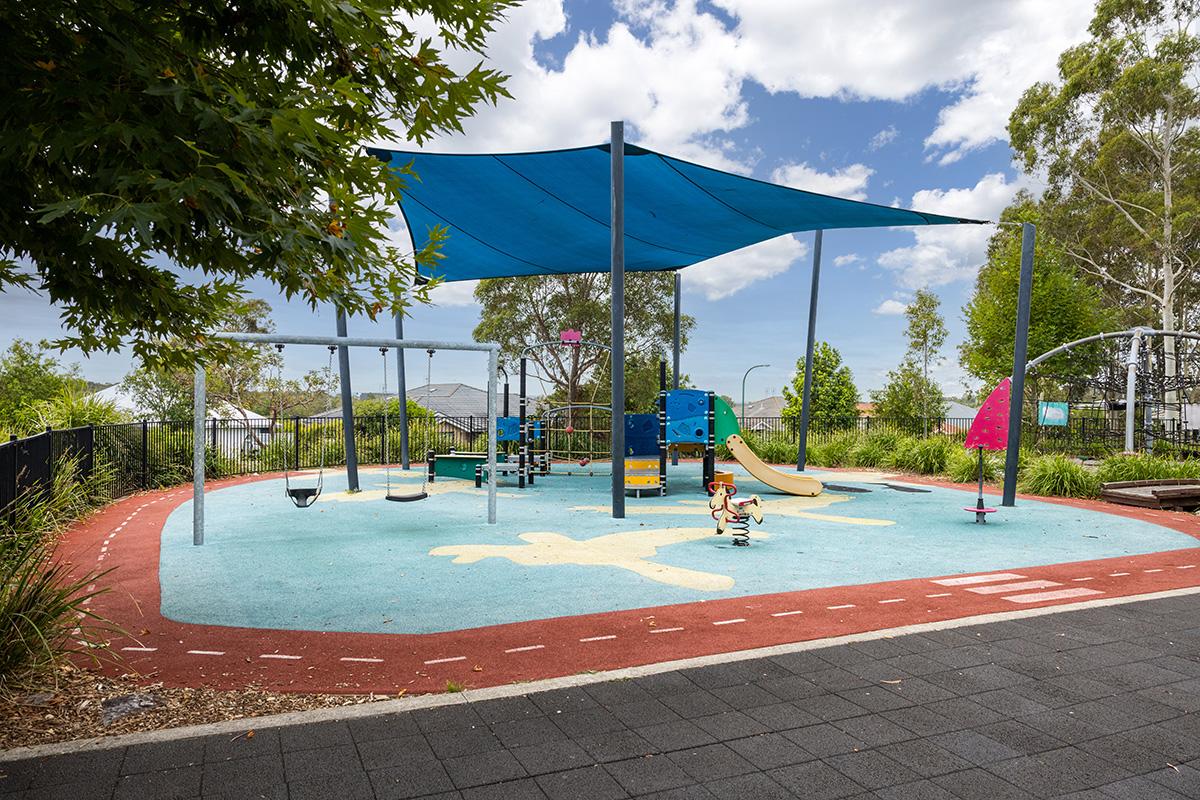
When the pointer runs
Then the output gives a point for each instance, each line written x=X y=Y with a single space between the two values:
x=1016 y=398
x=493 y=364
x=675 y=343
x=145 y=454
x=401 y=392
x=617 y=224
x=806 y=398
x=1131 y=370
x=198 y=418
x=347 y=407
x=522 y=434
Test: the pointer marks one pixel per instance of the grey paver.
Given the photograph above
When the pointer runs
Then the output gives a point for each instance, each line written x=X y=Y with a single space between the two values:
x=1100 y=704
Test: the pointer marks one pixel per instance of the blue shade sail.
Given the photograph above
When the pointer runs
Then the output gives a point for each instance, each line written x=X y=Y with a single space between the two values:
x=547 y=213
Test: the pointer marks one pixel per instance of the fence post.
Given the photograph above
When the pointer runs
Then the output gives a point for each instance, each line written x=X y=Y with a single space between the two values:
x=145 y=454
x=12 y=449
x=49 y=457
x=296 y=443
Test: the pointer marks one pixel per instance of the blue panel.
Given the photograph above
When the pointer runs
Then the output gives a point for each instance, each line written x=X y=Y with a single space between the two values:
x=508 y=429
x=548 y=213
x=687 y=416
x=641 y=434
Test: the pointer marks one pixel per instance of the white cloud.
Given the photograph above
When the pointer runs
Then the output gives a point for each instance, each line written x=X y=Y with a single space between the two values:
x=987 y=52
x=849 y=182
x=730 y=273
x=890 y=308
x=458 y=293
x=847 y=259
x=883 y=138
x=946 y=253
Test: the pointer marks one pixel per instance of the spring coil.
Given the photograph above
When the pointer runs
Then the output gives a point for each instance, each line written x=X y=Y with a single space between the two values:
x=739 y=529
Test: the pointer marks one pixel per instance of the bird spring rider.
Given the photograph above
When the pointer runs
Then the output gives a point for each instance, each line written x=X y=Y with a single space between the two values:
x=989 y=431
x=734 y=514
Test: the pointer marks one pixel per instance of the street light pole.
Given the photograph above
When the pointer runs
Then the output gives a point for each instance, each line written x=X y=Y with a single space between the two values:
x=756 y=366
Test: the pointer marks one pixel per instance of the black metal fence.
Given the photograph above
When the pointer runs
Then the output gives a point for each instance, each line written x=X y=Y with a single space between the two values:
x=142 y=455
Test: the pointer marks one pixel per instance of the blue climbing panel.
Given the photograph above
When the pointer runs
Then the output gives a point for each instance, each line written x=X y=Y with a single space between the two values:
x=687 y=416
x=641 y=434
x=508 y=429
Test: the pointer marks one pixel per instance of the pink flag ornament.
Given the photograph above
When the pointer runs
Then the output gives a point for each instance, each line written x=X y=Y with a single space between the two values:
x=570 y=337
x=990 y=428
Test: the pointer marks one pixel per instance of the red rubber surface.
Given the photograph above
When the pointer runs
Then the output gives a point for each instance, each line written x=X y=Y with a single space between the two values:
x=386 y=663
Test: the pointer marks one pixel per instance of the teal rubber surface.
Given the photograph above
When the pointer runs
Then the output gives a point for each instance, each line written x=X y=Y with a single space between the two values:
x=358 y=563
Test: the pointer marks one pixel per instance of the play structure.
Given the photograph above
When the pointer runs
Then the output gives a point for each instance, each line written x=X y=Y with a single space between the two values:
x=691 y=421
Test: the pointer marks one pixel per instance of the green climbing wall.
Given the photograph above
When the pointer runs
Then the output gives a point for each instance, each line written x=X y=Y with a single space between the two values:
x=726 y=423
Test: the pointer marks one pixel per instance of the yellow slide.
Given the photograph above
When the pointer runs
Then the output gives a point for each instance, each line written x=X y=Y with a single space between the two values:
x=803 y=485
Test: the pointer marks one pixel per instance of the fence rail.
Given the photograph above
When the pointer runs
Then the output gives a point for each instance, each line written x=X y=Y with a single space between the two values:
x=143 y=455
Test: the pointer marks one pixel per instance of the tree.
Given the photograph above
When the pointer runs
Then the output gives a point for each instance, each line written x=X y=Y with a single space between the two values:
x=834 y=395
x=157 y=156
x=248 y=378
x=926 y=333
x=518 y=312
x=1063 y=306
x=1118 y=141
x=909 y=394
x=28 y=375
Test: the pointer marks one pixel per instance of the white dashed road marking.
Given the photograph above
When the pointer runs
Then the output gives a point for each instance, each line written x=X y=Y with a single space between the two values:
x=1061 y=594
x=1013 y=587
x=786 y=613
x=665 y=630
x=728 y=621
x=892 y=600
x=362 y=660
x=446 y=660
x=838 y=608
x=206 y=652
x=940 y=594
x=599 y=638
x=972 y=579
x=525 y=649
x=280 y=656
x=140 y=649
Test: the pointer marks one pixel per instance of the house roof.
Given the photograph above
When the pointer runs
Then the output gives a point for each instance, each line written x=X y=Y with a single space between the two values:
x=450 y=400
x=766 y=407
x=124 y=401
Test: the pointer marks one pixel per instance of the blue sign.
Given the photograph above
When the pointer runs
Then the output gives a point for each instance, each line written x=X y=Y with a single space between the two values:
x=1053 y=414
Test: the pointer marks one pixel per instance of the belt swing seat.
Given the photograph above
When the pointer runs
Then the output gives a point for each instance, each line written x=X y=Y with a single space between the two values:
x=397 y=497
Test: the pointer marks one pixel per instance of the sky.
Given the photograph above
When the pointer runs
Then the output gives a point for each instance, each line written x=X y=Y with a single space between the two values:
x=894 y=103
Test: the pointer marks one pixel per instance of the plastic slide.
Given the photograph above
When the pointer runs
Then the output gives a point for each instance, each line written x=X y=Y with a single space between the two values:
x=803 y=485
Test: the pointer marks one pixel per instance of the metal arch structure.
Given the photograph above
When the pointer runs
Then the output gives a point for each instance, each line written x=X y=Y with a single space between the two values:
x=199 y=409
x=1135 y=337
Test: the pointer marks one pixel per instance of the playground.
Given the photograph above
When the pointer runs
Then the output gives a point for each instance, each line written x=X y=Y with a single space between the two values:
x=410 y=597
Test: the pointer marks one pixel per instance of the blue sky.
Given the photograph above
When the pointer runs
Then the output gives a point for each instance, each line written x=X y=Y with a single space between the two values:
x=887 y=103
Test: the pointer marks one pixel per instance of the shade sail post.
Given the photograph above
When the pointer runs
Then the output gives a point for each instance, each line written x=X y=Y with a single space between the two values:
x=675 y=344
x=347 y=406
x=810 y=347
x=401 y=393
x=199 y=415
x=1016 y=398
x=617 y=267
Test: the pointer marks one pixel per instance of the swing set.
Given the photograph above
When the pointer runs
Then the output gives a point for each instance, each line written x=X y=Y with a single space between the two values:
x=305 y=496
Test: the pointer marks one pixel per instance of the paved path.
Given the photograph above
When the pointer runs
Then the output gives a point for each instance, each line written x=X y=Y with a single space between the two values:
x=1094 y=704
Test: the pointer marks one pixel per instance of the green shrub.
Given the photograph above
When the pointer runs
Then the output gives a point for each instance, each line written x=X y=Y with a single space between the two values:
x=836 y=452
x=1058 y=476
x=963 y=466
x=873 y=450
x=42 y=612
x=1137 y=467
x=902 y=456
x=921 y=456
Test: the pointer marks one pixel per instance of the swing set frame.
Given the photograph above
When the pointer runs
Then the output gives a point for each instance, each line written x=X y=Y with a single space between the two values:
x=199 y=409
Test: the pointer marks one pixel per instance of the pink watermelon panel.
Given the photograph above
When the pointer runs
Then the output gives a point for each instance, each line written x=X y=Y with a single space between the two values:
x=990 y=428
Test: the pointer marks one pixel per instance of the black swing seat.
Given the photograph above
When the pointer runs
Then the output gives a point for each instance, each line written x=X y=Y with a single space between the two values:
x=305 y=497
x=406 y=498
